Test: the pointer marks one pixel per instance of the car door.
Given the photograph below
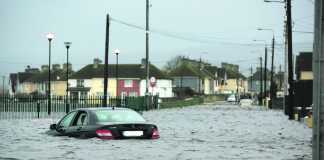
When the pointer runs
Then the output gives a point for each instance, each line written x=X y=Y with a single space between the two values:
x=79 y=125
x=63 y=127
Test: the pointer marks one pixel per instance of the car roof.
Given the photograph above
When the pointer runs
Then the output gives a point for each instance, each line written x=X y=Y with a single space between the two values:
x=101 y=108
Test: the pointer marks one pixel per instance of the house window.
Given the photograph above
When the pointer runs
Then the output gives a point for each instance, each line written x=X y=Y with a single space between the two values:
x=83 y=94
x=132 y=94
x=128 y=83
x=80 y=83
x=99 y=94
x=123 y=94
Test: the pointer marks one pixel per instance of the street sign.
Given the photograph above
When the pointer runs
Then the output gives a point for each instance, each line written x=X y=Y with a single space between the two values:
x=152 y=81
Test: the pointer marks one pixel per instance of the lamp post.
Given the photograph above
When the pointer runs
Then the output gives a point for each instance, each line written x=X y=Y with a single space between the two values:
x=67 y=46
x=49 y=36
x=116 y=52
x=147 y=61
x=272 y=59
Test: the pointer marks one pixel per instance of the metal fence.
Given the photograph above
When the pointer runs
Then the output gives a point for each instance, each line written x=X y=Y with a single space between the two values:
x=22 y=107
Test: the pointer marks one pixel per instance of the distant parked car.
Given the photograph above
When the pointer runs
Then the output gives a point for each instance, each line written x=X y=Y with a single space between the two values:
x=246 y=102
x=231 y=98
x=105 y=123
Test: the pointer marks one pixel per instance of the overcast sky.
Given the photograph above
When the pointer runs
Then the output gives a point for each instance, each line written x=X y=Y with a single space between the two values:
x=216 y=30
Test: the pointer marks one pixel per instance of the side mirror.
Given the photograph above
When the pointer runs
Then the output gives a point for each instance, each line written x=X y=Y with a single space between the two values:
x=53 y=126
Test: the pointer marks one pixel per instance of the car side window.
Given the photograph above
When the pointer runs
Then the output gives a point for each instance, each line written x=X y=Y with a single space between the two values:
x=82 y=119
x=66 y=121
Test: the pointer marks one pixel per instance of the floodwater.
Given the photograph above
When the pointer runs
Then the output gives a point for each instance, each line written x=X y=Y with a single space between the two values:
x=209 y=132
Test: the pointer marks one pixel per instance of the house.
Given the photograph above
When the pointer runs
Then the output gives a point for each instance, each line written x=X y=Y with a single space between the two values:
x=304 y=66
x=198 y=79
x=35 y=81
x=89 y=80
x=303 y=86
x=193 y=74
x=254 y=82
x=215 y=73
x=40 y=83
x=18 y=83
x=231 y=80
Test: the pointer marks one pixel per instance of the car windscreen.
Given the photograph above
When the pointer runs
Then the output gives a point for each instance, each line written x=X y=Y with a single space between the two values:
x=118 y=116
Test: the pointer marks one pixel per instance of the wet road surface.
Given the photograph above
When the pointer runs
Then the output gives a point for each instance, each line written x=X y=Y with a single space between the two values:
x=200 y=132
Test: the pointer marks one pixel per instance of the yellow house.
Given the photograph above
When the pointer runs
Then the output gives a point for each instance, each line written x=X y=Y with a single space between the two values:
x=58 y=88
x=27 y=87
x=97 y=85
x=232 y=85
x=306 y=75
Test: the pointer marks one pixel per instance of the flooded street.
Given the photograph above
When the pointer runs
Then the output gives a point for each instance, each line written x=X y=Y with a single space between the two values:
x=206 y=132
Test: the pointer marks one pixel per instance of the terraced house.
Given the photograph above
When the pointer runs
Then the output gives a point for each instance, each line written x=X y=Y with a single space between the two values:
x=35 y=81
x=89 y=80
x=198 y=79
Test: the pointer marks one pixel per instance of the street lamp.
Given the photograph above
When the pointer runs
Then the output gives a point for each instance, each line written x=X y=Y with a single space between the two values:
x=272 y=59
x=67 y=46
x=274 y=1
x=49 y=36
x=116 y=52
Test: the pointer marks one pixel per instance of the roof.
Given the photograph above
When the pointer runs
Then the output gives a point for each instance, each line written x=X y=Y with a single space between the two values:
x=43 y=77
x=99 y=108
x=221 y=73
x=232 y=74
x=23 y=76
x=124 y=71
x=212 y=69
x=189 y=70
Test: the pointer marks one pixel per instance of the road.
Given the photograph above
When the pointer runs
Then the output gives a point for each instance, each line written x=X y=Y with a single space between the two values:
x=207 y=132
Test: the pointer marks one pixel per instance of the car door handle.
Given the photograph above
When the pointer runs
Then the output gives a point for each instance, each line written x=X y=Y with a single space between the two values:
x=61 y=130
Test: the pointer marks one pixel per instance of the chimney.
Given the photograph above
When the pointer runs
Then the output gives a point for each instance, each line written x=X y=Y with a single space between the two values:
x=44 y=68
x=65 y=66
x=56 y=67
x=143 y=63
x=96 y=62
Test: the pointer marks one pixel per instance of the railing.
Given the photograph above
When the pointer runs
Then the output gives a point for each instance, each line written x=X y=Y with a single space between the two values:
x=13 y=107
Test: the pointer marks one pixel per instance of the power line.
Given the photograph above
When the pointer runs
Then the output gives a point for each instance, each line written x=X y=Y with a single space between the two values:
x=191 y=38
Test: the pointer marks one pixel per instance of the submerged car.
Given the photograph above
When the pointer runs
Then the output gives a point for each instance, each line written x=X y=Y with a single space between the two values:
x=105 y=123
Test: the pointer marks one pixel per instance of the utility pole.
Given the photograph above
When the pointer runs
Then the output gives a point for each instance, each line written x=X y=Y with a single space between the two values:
x=271 y=76
x=251 y=83
x=3 y=85
x=199 y=87
x=237 y=87
x=265 y=71
x=106 y=61
x=261 y=87
x=290 y=62
x=318 y=87
x=147 y=47
x=280 y=78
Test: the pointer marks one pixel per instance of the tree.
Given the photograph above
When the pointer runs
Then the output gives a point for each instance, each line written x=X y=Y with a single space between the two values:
x=173 y=63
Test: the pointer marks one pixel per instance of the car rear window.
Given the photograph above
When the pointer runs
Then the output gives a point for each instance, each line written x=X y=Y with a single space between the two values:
x=118 y=116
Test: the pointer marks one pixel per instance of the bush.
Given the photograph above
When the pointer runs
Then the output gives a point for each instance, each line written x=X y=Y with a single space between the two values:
x=182 y=103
